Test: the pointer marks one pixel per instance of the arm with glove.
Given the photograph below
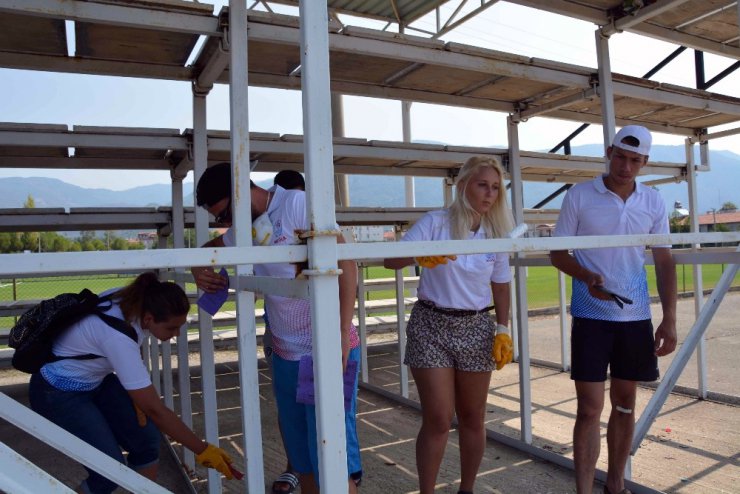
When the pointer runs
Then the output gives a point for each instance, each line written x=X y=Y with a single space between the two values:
x=503 y=347
x=147 y=402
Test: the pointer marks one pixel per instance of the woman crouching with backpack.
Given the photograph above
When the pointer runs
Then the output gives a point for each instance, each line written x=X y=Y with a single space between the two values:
x=97 y=399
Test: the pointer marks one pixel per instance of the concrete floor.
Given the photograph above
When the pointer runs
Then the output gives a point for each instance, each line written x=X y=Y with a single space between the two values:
x=693 y=447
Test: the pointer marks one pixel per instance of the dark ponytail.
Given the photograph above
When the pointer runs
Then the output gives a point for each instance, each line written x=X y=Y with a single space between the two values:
x=162 y=299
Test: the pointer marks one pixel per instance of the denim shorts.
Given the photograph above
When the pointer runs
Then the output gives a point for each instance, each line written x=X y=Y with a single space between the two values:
x=104 y=418
x=298 y=421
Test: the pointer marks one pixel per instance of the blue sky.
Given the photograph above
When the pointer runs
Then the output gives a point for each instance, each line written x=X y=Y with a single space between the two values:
x=39 y=97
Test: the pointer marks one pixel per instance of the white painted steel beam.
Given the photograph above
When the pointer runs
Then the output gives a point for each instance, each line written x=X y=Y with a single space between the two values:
x=687 y=40
x=586 y=94
x=322 y=253
x=693 y=191
x=285 y=287
x=594 y=118
x=75 y=163
x=403 y=369
x=70 y=262
x=640 y=16
x=91 y=140
x=682 y=355
x=241 y=195
x=520 y=278
x=77 y=449
x=438 y=57
x=366 y=90
x=606 y=90
x=677 y=99
x=20 y=476
x=100 y=13
x=716 y=135
x=76 y=65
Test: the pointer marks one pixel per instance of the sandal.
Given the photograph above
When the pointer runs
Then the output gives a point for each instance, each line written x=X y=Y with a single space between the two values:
x=285 y=478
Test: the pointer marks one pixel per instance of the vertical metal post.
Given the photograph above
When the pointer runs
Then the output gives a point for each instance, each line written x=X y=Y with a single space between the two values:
x=514 y=319
x=337 y=127
x=699 y=69
x=564 y=333
x=701 y=349
x=241 y=203
x=606 y=89
x=517 y=203
x=447 y=185
x=362 y=323
x=205 y=323
x=403 y=370
x=322 y=253
x=410 y=192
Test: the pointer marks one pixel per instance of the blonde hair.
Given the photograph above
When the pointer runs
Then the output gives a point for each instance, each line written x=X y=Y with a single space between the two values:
x=497 y=222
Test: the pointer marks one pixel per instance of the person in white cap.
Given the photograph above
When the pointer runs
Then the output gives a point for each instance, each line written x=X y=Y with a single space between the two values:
x=610 y=304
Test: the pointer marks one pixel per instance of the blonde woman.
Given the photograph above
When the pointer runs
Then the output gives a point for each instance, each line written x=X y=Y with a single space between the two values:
x=450 y=334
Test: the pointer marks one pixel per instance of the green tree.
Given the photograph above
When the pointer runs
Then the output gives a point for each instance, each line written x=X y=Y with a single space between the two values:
x=30 y=203
x=728 y=206
x=119 y=243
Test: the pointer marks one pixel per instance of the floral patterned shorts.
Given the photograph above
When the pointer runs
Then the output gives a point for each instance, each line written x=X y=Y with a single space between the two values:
x=439 y=340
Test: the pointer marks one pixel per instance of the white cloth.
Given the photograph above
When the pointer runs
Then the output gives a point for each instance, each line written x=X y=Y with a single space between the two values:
x=92 y=335
x=589 y=208
x=290 y=318
x=464 y=283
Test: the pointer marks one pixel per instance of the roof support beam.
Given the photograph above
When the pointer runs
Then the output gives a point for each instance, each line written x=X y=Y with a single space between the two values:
x=588 y=94
x=688 y=40
x=640 y=16
x=355 y=44
x=67 y=139
x=677 y=99
x=76 y=65
x=99 y=13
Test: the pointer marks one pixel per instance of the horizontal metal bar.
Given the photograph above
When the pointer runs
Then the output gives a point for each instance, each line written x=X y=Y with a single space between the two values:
x=66 y=262
x=285 y=287
x=523 y=245
x=144 y=18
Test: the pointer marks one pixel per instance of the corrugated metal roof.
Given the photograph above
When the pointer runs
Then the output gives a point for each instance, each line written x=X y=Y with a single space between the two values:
x=405 y=11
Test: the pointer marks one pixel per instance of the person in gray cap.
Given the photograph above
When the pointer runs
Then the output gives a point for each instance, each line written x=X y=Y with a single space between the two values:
x=610 y=303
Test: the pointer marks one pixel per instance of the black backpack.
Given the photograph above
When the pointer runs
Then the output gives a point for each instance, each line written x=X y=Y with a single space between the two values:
x=35 y=332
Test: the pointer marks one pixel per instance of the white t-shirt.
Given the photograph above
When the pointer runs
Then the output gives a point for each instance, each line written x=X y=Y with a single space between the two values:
x=120 y=354
x=589 y=208
x=290 y=318
x=464 y=283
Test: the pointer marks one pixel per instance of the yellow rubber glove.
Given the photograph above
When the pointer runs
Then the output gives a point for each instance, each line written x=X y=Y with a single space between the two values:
x=433 y=261
x=216 y=458
x=503 y=347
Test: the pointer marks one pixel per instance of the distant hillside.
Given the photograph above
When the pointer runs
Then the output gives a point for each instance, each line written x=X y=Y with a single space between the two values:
x=715 y=187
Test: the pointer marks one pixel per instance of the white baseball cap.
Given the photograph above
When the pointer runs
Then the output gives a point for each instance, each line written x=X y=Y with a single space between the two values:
x=637 y=132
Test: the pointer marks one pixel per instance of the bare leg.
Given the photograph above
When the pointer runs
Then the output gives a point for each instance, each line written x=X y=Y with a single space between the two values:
x=437 y=394
x=150 y=472
x=620 y=431
x=586 y=439
x=471 y=394
x=308 y=484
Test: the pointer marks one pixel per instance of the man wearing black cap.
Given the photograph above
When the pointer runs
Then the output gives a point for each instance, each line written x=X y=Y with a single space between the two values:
x=610 y=303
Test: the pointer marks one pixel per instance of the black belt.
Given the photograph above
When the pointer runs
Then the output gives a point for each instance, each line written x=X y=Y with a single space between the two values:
x=453 y=312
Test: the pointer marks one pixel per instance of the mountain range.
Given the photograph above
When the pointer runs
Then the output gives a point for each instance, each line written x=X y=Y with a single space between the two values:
x=714 y=188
